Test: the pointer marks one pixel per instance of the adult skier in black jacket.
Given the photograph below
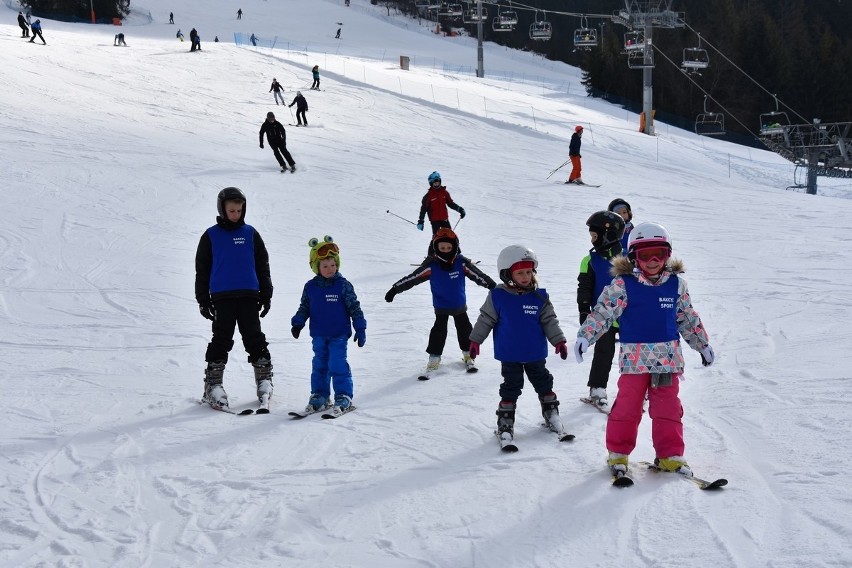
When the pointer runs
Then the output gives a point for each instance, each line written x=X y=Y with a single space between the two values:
x=277 y=138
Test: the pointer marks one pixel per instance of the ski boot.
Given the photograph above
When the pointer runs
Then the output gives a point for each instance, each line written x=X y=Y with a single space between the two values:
x=598 y=396
x=431 y=366
x=214 y=393
x=468 y=362
x=675 y=464
x=341 y=403
x=617 y=464
x=550 y=412
x=506 y=418
x=263 y=378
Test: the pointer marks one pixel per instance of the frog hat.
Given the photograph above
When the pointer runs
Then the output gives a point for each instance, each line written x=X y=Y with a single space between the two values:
x=322 y=249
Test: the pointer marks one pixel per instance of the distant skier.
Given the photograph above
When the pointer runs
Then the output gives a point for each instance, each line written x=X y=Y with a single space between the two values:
x=179 y=35
x=277 y=138
x=574 y=155
x=171 y=17
x=315 y=73
x=276 y=89
x=195 y=39
x=119 y=40
x=301 y=109
x=338 y=33
x=22 y=21
x=36 y=29
x=253 y=40
x=240 y=14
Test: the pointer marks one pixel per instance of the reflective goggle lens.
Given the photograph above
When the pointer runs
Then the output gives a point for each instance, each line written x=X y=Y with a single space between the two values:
x=327 y=250
x=650 y=254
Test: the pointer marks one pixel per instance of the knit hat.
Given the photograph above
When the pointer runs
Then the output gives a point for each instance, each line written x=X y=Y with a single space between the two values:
x=322 y=249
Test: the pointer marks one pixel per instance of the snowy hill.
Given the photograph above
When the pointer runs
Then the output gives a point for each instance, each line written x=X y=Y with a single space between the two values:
x=113 y=160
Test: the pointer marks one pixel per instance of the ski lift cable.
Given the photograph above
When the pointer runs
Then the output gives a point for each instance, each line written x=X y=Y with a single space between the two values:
x=752 y=79
x=524 y=7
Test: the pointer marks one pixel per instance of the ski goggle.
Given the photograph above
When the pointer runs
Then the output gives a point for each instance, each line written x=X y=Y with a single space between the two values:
x=327 y=250
x=660 y=254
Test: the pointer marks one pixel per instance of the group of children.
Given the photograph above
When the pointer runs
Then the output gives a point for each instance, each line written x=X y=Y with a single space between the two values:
x=638 y=297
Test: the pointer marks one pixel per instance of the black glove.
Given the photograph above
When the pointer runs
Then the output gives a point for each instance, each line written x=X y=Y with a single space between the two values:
x=207 y=310
x=296 y=330
x=263 y=306
x=461 y=212
x=583 y=317
x=261 y=144
x=389 y=296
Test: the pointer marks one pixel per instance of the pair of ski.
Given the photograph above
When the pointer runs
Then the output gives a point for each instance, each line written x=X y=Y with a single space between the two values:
x=507 y=439
x=621 y=479
x=426 y=376
x=575 y=182
x=333 y=412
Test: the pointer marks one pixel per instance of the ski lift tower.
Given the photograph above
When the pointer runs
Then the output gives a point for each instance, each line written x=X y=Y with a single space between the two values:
x=643 y=16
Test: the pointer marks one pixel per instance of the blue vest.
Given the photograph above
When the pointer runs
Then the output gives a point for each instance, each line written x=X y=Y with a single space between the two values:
x=448 y=285
x=601 y=267
x=328 y=310
x=233 y=260
x=518 y=335
x=651 y=313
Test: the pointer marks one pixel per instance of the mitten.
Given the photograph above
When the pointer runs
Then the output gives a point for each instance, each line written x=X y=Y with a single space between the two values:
x=473 y=349
x=420 y=226
x=389 y=296
x=360 y=337
x=580 y=347
x=296 y=330
x=707 y=356
x=562 y=349
x=263 y=306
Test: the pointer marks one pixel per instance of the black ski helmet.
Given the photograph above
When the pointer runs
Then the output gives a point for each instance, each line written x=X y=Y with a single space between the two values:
x=609 y=228
x=618 y=202
x=271 y=115
x=230 y=194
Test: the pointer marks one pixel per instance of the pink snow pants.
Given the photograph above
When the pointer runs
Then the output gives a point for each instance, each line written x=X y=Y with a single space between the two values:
x=665 y=410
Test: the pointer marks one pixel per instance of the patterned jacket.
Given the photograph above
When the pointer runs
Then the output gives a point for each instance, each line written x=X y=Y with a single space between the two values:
x=637 y=358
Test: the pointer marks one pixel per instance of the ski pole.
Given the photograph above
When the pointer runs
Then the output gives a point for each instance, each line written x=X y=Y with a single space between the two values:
x=457 y=224
x=398 y=217
x=559 y=168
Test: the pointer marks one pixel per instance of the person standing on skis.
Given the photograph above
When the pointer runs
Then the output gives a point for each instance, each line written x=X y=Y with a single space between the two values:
x=574 y=155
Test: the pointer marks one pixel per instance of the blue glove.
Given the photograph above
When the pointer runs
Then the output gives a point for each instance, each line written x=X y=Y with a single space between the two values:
x=360 y=337
x=420 y=226
x=461 y=212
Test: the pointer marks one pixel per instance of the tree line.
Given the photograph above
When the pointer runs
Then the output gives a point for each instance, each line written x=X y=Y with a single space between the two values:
x=799 y=50
x=78 y=10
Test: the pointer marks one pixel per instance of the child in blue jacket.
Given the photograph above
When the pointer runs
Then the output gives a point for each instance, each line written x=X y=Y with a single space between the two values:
x=329 y=301
x=524 y=321
x=445 y=269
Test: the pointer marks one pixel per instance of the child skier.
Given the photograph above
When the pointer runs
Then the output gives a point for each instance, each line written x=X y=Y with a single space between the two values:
x=276 y=91
x=435 y=203
x=444 y=268
x=316 y=76
x=621 y=207
x=233 y=283
x=523 y=320
x=653 y=308
x=329 y=301
x=605 y=228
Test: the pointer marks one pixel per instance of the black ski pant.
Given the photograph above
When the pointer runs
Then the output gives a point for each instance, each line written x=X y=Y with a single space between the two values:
x=602 y=359
x=230 y=313
x=315 y=84
x=438 y=334
x=25 y=31
x=280 y=151
x=41 y=37
x=300 y=117
x=513 y=379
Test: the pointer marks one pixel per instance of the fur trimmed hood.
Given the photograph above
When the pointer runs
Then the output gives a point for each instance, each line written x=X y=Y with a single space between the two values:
x=622 y=265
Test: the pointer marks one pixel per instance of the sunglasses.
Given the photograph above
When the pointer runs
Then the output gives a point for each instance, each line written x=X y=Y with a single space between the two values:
x=660 y=254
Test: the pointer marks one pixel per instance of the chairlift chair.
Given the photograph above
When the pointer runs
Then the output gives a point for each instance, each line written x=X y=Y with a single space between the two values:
x=636 y=59
x=541 y=31
x=584 y=36
x=471 y=17
x=456 y=10
x=508 y=17
x=709 y=123
x=634 y=41
x=773 y=123
x=498 y=25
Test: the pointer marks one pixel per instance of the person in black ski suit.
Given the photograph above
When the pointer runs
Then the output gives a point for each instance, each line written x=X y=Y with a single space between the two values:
x=195 y=39
x=233 y=287
x=277 y=138
x=301 y=109
x=22 y=21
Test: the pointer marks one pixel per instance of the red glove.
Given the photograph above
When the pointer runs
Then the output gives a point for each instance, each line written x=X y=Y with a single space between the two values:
x=562 y=349
x=473 y=350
